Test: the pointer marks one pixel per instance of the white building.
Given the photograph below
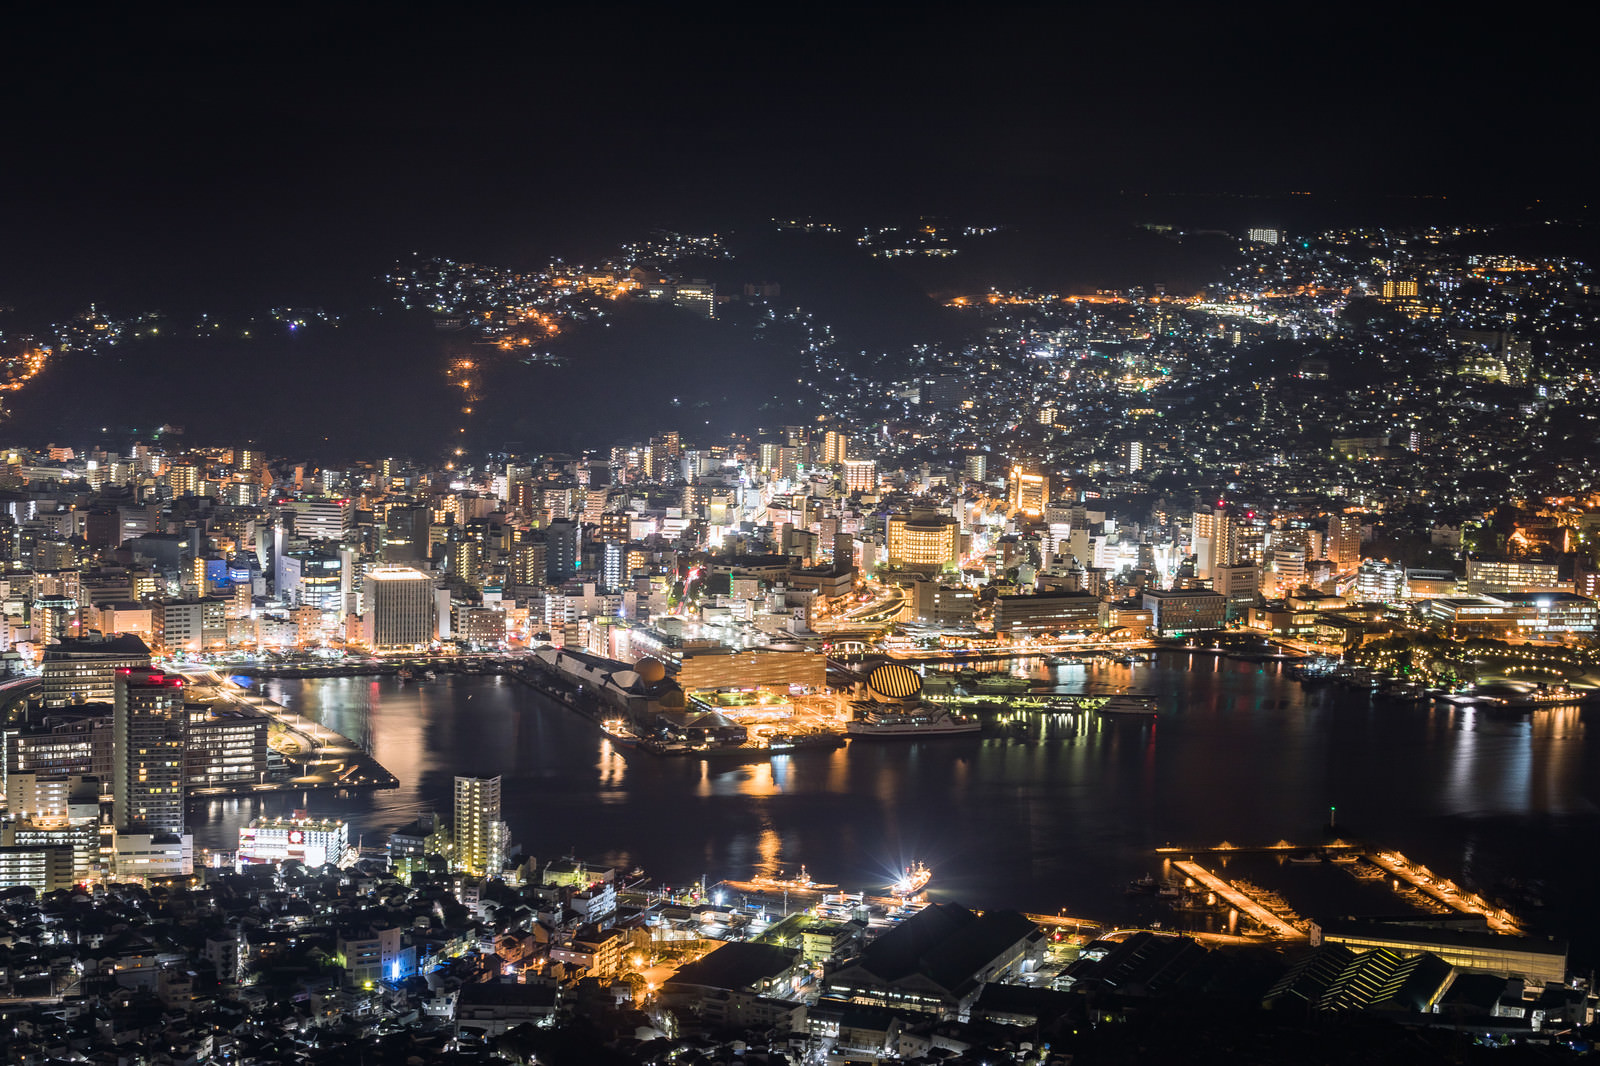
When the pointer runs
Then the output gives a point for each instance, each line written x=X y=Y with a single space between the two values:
x=313 y=841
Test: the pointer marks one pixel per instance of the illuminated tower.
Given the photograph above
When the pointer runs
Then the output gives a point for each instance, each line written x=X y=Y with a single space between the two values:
x=1028 y=493
x=480 y=834
x=1214 y=542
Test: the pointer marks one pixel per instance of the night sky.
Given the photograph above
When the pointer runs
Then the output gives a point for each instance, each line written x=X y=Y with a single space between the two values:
x=271 y=154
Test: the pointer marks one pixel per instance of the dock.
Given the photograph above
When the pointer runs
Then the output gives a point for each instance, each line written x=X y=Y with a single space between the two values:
x=1445 y=892
x=1239 y=901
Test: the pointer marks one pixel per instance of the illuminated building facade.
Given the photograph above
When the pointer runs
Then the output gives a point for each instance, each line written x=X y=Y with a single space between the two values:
x=1027 y=492
x=929 y=542
x=480 y=834
x=313 y=841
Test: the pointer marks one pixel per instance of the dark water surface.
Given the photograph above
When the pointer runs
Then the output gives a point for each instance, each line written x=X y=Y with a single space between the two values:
x=1058 y=813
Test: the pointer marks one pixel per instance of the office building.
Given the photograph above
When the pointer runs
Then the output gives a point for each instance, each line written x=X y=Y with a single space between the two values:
x=85 y=670
x=1490 y=576
x=190 y=625
x=399 y=606
x=1181 y=612
x=1027 y=492
x=1046 y=612
x=224 y=745
x=1239 y=584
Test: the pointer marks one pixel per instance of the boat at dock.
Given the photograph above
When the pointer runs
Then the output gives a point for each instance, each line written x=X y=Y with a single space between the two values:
x=915 y=880
x=616 y=730
x=924 y=722
x=800 y=884
x=1003 y=683
x=784 y=742
x=1128 y=706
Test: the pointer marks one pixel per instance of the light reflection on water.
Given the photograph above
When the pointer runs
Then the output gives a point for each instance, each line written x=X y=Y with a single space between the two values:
x=1056 y=810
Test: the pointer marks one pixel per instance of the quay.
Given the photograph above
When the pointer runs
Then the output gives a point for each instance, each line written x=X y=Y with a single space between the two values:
x=1238 y=900
x=1445 y=892
x=329 y=762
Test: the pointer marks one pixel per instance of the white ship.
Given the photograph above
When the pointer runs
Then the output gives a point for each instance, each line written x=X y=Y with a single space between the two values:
x=923 y=722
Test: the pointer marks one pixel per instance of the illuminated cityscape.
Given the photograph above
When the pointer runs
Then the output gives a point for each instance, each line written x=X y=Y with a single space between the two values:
x=587 y=552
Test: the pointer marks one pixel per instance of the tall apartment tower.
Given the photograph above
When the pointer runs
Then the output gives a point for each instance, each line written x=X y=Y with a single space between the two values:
x=147 y=759
x=1215 y=543
x=147 y=752
x=835 y=448
x=1344 y=541
x=479 y=832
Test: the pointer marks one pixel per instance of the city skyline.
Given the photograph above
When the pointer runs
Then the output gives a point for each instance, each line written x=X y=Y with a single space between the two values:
x=1027 y=535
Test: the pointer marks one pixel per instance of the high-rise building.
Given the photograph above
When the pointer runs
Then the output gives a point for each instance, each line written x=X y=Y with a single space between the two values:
x=1213 y=541
x=1262 y=235
x=1344 y=541
x=563 y=550
x=399 y=609
x=147 y=752
x=835 y=447
x=860 y=475
x=479 y=832
x=1133 y=456
x=977 y=467
x=1028 y=493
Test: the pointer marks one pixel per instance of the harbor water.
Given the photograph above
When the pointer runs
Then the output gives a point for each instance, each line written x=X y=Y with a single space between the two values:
x=1043 y=812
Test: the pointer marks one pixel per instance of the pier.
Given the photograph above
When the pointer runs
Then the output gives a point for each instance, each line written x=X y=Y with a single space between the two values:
x=1240 y=901
x=1445 y=892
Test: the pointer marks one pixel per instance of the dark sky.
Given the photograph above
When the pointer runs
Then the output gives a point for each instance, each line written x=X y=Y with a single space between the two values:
x=276 y=150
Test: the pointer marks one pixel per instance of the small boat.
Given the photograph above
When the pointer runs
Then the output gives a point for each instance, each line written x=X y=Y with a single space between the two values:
x=1063 y=660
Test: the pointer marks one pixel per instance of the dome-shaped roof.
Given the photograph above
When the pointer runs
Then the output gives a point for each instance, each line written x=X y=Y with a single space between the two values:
x=895 y=681
x=650 y=670
x=672 y=700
